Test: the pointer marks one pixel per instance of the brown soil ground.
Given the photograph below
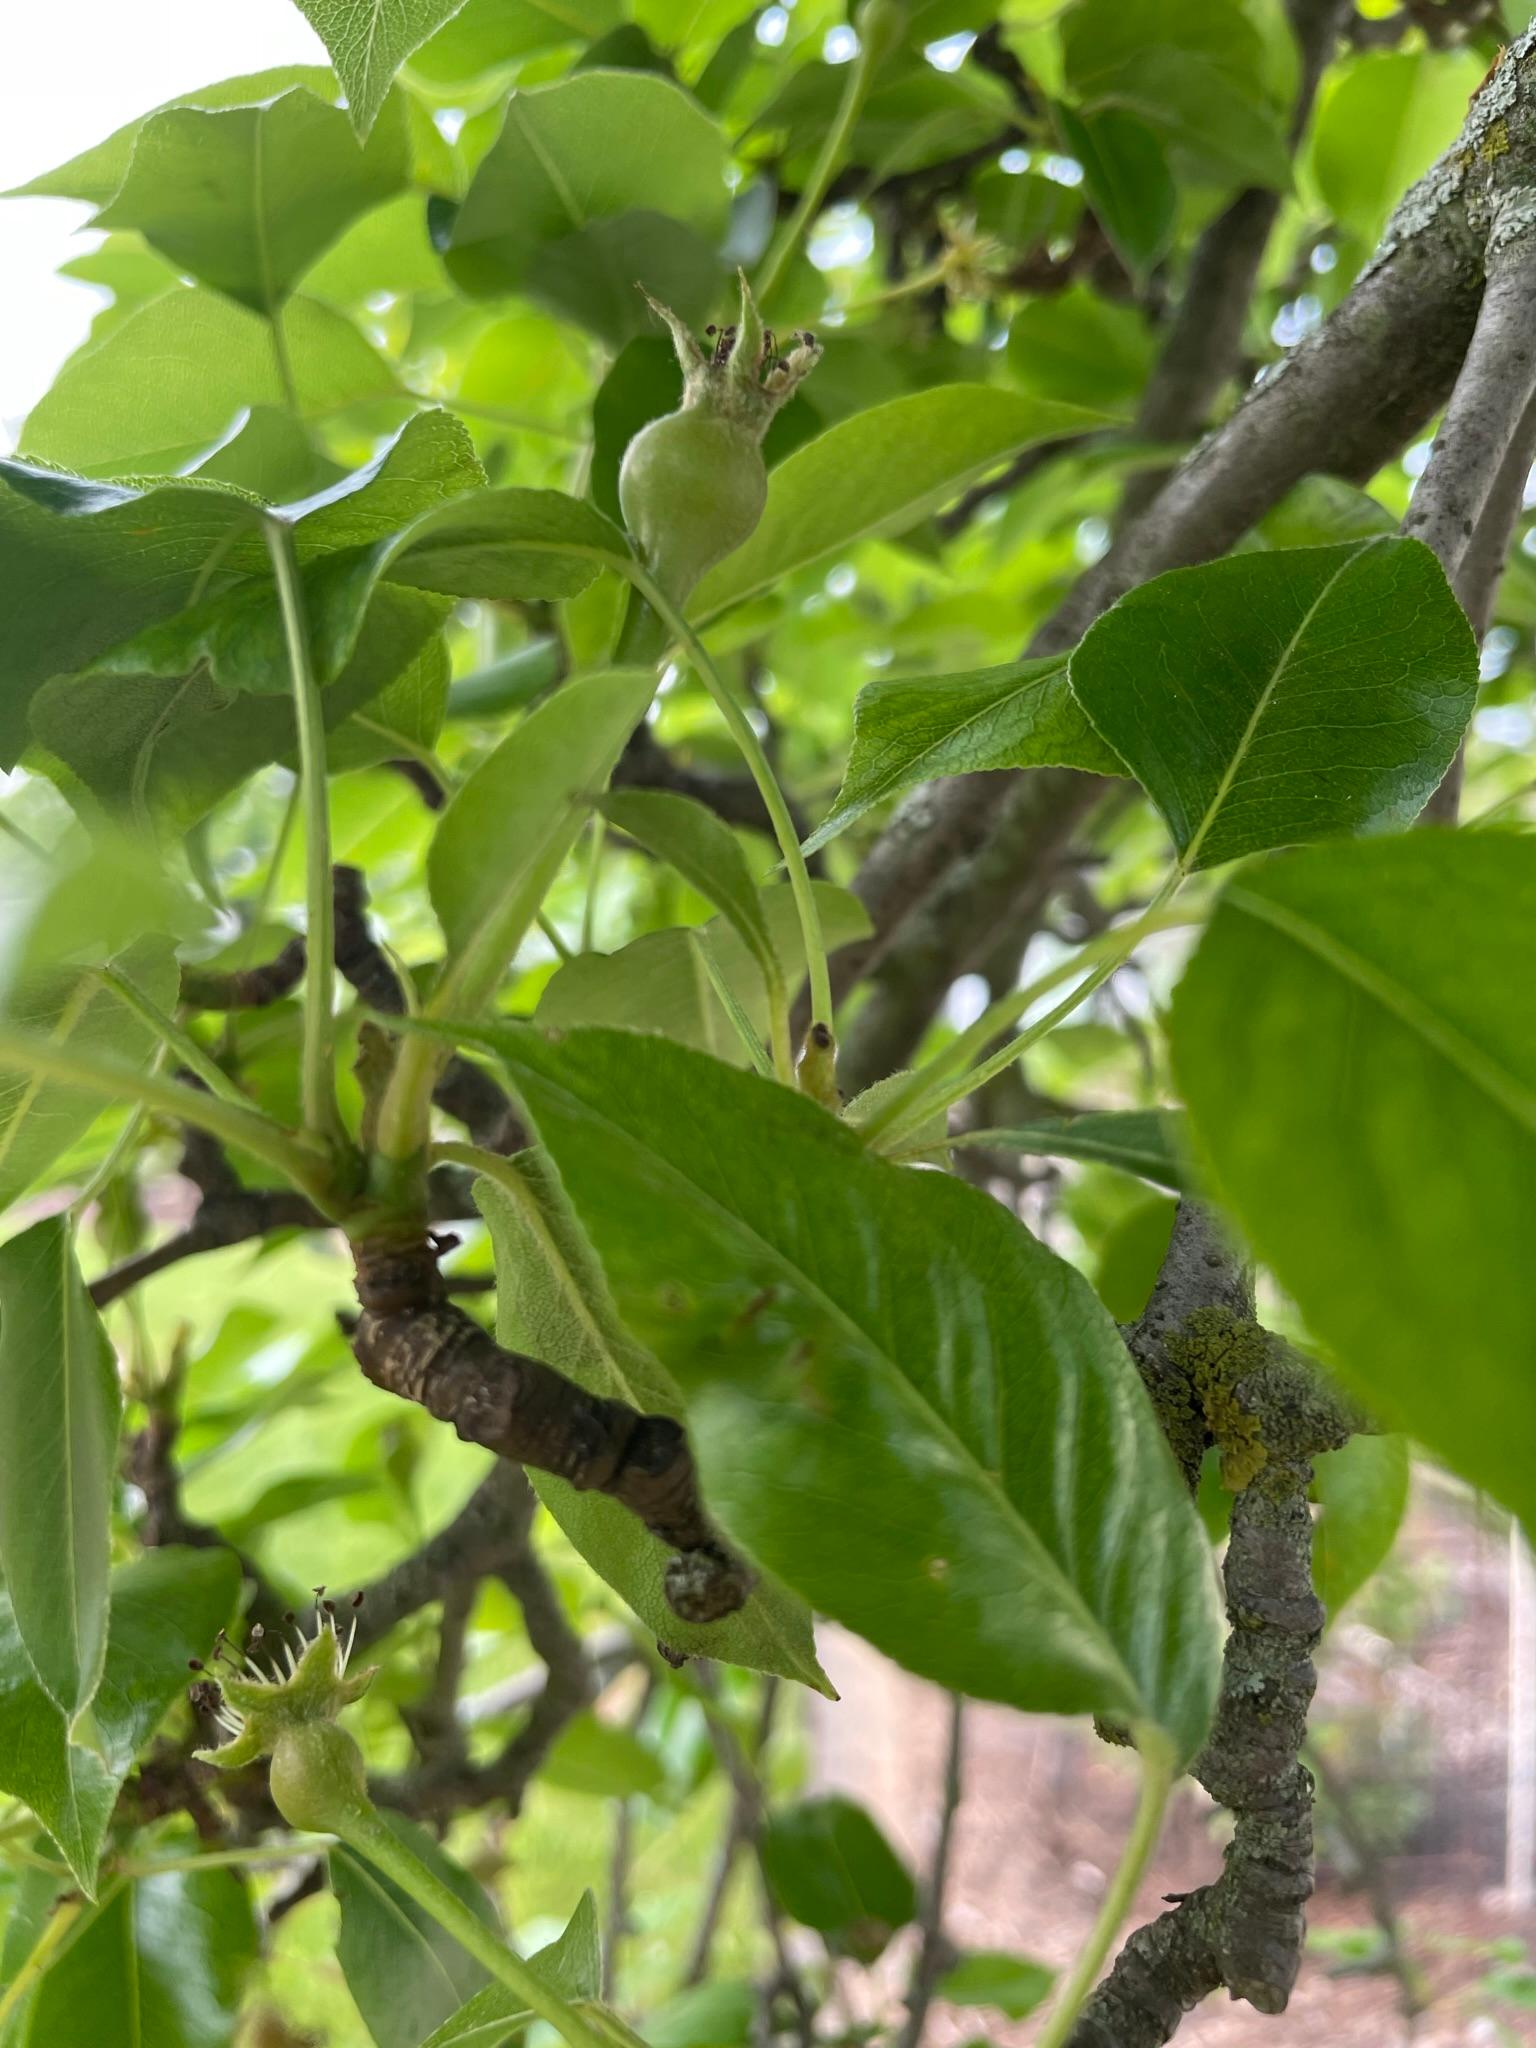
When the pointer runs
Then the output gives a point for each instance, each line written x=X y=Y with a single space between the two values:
x=1411 y=1718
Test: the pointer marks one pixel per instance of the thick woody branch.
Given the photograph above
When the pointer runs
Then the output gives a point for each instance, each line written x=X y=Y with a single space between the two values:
x=1216 y=1377
x=411 y=1340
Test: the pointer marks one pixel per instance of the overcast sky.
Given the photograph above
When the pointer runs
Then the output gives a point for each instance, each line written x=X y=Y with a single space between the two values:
x=70 y=72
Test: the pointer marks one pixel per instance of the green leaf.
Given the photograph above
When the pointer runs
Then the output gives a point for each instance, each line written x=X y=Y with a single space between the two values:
x=368 y=41
x=706 y=853
x=988 y=1976
x=1080 y=349
x=405 y=1973
x=1353 y=1041
x=1126 y=176
x=501 y=841
x=1149 y=1142
x=161 y=1960
x=881 y=472
x=166 y=1607
x=96 y=173
x=83 y=565
x=165 y=748
x=896 y=1344
x=429 y=463
x=40 y=1120
x=572 y=1964
x=720 y=2014
x=1381 y=121
x=1361 y=1493
x=494 y=35
x=831 y=1868
x=1271 y=698
x=1131 y=1255
x=583 y=150
x=602 y=1760
x=553 y=1301
x=59 y=1414
x=166 y=383
x=658 y=982
x=1197 y=71
x=912 y=728
x=245 y=198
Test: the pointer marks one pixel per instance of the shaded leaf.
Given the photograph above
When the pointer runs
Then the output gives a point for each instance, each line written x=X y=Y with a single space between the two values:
x=166 y=1607
x=586 y=149
x=1382 y=119
x=1149 y=1142
x=1361 y=1492
x=245 y=198
x=1127 y=179
x=659 y=983
x=170 y=380
x=406 y=1974
x=1270 y=698
x=849 y=1330
x=882 y=471
x=719 y=2014
x=831 y=1868
x=705 y=852
x=1359 y=1066
x=988 y=1976
x=572 y=1964
x=59 y=1414
x=1080 y=349
x=162 y=1959
x=912 y=728
x=40 y=1119
x=491 y=35
x=603 y=1760
x=553 y=1301
x=501 y=841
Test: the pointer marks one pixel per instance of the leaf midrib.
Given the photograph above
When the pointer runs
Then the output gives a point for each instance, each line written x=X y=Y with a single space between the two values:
x=1266 y=697
x=1032 y=1543
x=1474 y=1065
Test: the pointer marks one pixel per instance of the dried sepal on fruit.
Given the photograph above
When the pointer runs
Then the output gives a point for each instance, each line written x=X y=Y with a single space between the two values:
x=693 y=484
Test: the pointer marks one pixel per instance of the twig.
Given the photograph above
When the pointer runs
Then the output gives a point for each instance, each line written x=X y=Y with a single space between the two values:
x=246 y=988
x=743 y=1825
x=935 y=1952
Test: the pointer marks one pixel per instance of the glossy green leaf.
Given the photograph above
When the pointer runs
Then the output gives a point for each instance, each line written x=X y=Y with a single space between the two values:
x=553 y=1301
x=172 y=378
x=502 y=839
x=40 y=1119
x=913 y=728
x=166 y=1607
x=1272 y=698
x=658 y=982
x=706 y=853
x=850 y=1330
x=882 y=471
x=369 y=40
x=1149 y=1142
x=430 y=462
x=572 y=1964
x=602 y=1760
x=1381 y=121
x=1354 y=1045
x=831 y=1868
x=572 y=154
x=59 y=1413
x=1081 y=349
x=1361 y=1493
x=1127 y=179
x=245 y=198
x=405 y=1973
x=161 y=1960
x=1197 y=71
x=96 y=173
x=987 y=1976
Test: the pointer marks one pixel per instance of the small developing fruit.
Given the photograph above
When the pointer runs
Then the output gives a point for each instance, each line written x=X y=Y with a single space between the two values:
x=692 y=485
